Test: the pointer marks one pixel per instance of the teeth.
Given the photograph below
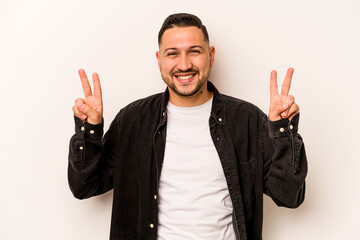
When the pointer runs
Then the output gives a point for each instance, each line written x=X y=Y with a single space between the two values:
x=185 y=77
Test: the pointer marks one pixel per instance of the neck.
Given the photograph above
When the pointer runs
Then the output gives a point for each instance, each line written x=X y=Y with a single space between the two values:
x=197 y=99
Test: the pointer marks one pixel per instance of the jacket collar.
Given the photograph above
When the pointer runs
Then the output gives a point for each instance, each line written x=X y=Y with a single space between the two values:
x=217 y=109
x=218 y=105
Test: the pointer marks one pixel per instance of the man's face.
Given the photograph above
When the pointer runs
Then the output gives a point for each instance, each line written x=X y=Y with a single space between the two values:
x=185 y=60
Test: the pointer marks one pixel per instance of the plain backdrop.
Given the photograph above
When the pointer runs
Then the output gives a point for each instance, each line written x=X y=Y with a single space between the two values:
x=44 y=42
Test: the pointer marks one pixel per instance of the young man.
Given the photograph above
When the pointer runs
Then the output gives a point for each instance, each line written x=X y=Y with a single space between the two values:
x=189 y=163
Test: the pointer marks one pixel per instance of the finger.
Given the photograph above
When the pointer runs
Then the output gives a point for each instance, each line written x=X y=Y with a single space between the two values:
x=85 y=83
x=287 y=82
x=295 y=109
x=93 y=117
x=273 y=84
x=79 y=101
x=97 y=86
x=275 y=111
x=287 y=104
x=78 y=114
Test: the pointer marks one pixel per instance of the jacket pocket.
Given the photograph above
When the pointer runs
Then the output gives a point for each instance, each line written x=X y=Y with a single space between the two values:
x=247 y=179
x=247 y=184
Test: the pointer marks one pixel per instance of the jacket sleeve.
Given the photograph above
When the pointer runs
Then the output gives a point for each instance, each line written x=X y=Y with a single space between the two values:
x=285 y=163
x=91 y=159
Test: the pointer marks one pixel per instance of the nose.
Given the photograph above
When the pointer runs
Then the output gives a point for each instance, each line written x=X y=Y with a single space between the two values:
x=184 y=63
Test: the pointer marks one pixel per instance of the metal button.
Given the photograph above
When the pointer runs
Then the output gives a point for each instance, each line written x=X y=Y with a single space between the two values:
x=82 y=128
x=81 y=147
x=282 y=129
x=164 y=114
x=151 y=225
x=291 y=127
x=155 y=197
x=92 y=131
x=220 y=119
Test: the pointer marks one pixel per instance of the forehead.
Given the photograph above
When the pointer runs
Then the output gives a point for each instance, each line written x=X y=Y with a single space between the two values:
x=179 y=37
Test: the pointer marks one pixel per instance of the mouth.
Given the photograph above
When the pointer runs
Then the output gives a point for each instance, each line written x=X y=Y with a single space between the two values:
x=185 y=78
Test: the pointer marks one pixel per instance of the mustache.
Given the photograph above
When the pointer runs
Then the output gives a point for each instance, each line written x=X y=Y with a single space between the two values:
x=191 y=70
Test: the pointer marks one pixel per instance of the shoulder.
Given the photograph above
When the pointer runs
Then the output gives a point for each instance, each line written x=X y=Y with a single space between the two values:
x=239 y=106
x=142 y=107
x=147 y=103
x=243 y=116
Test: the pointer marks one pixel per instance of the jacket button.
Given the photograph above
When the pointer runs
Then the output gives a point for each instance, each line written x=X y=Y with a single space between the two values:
x=81 y=147
x=220 y=119
x=92 y=131
x=282 y=129
x=151 y=225
x=291 y=127
x=155 y=197
x=82 y=128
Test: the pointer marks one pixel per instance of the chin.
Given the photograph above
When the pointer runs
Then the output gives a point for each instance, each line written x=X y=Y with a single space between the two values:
x=188 y=91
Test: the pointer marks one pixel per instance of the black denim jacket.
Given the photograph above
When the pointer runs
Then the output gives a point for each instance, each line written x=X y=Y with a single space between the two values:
x=257 y=157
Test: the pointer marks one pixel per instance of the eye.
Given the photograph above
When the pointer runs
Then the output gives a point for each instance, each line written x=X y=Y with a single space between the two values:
x=171 y=54
x=195 y=51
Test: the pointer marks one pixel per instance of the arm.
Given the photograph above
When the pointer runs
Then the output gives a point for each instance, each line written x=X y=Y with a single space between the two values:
x=91 y=157
x=285 y=163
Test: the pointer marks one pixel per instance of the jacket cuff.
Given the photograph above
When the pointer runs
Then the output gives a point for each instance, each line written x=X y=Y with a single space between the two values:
x=88 y=130
x=284 y=127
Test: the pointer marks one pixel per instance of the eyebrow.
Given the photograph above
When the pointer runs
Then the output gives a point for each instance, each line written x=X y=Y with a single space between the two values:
x=195 y=46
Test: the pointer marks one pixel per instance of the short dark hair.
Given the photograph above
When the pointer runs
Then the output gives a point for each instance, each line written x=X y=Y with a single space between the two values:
x=182 y=20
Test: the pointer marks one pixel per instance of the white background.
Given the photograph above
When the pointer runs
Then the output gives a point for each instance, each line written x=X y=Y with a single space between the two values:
x=44 y=42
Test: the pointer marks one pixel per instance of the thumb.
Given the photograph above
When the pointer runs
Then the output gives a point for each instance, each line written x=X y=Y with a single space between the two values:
x=93 y=117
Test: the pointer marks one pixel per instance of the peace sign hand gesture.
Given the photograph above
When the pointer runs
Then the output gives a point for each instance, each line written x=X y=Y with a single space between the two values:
x=282 y=105
x=90 y=108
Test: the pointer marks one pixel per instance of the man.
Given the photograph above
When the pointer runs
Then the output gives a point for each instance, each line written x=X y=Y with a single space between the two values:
x=189 y=163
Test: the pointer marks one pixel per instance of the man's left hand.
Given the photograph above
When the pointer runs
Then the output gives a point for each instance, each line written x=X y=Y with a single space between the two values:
x=282 y=105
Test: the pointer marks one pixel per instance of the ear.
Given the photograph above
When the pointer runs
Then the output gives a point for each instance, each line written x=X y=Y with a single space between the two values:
x=158 y=58
x=212 y=55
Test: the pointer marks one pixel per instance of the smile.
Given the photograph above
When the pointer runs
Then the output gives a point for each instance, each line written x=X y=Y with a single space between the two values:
x=185 y=78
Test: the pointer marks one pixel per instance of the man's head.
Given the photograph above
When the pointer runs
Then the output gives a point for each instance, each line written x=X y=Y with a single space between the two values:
x=182 y=20
x=185 y=56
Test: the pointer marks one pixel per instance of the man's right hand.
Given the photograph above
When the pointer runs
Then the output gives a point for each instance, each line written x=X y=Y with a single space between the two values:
x=90 y=108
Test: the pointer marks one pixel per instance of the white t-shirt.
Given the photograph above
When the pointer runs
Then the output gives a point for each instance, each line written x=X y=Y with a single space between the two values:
x=194 y=200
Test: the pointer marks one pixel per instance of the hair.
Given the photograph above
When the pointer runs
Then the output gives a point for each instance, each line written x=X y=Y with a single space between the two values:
x=182 y=20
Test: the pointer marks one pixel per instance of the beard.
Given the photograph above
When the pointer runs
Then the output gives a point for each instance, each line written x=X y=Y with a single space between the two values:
x=190 y=93
x=199 y=85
